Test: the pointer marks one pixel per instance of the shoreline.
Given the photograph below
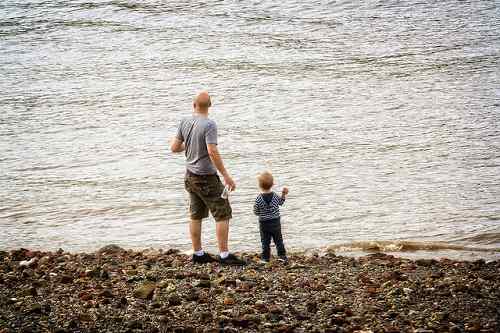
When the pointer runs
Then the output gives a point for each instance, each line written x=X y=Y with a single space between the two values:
x=156 y=290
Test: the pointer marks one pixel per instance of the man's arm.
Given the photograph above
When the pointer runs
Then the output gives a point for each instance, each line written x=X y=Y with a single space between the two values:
x=176 y=145
x=213 y=152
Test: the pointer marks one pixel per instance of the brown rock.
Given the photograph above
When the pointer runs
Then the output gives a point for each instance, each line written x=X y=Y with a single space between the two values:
x=106 y=293
x=228 y=301
x=145 y=291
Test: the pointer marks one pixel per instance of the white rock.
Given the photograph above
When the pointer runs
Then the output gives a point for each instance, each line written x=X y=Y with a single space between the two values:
x=27 y=263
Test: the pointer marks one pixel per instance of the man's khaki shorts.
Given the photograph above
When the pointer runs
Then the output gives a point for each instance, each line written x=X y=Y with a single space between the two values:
x=204 y=195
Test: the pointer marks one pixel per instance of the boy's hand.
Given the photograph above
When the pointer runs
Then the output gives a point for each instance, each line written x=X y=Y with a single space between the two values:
x=284 y=192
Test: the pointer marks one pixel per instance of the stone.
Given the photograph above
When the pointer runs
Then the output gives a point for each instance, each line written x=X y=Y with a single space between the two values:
x=111 y=249
x=472 y=327
x=203 y=284
x=275 y=309
x=311 y=306
x=145 y=291
x=228 y=301
x=192 y=296
x=240 y=322
x=205 y=316
x=31 y=291
x=28 y=263
x=35 y=309
x=174 y=300
x=134 y=324
x=106 y=293
x=425 y=262
x=260 y=305
x=66 y=279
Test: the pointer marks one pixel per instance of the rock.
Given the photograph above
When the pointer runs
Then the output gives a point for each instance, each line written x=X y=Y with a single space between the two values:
x=205 y=316
x=423 y=330
x=311 y=306
x=35 y=309
x=85 y=317
x=174 y=300
x=284 y=329
x=275 y=309
x=145 y=291
x=252 y=318
x=240 y=322
x=425 y=262
x=338 y=320
x=111 y=249
x=192 y=296
x=203 y=284
x=31 y=291
x=123 y=301
x=28 y=273
x=228 y=301
x=66 y=279
x=152 y=276
x=28 y=263
x=261 y=306
x=106 y=293
x=104 y=275
x=134 y=324
x=61 y=330
x=472 y=327
x=391 y=329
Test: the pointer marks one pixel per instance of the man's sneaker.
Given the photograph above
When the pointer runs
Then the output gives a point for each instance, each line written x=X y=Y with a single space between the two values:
x=203 y=259
x=231 y=260
x=263 y=261
x=283 y=259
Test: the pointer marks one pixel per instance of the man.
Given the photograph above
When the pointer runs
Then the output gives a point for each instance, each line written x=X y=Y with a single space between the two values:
x=197 y=136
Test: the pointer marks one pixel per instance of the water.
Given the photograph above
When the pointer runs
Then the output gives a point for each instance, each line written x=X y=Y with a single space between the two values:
x=382 y=117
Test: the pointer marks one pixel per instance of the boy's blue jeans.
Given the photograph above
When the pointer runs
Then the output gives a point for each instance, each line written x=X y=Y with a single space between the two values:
x=271 y=229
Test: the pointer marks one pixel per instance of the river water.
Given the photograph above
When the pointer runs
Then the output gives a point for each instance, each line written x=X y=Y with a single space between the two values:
x=382 y=118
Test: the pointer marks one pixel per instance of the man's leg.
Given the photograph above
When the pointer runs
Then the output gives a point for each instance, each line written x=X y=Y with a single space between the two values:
x=222 y=233
x=195 y=232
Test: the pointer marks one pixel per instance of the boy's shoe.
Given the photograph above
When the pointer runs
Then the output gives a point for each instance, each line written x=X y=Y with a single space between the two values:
x=283 y=259
x=231 y=260
x=205 y=258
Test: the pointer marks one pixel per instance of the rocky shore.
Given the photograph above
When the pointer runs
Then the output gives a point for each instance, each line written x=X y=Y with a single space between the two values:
x=117 y=290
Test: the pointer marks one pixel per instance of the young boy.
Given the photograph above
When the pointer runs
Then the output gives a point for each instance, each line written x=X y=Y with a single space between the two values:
x=266 y=207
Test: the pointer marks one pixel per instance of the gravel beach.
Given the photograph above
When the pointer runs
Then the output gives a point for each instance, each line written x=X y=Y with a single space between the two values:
x=118 y=290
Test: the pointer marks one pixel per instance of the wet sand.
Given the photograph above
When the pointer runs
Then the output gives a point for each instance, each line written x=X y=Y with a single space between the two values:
x=119 y=290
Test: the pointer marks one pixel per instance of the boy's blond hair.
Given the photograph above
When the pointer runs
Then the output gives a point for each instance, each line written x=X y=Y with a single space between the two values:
x=266 y=180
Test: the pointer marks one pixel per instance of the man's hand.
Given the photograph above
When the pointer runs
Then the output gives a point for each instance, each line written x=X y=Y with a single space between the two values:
x=284 y=191
x=176 y=145
x=229 y=182
x=213 y=152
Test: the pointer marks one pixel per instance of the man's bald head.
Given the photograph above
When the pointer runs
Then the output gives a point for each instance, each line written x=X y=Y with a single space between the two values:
x=202 y=101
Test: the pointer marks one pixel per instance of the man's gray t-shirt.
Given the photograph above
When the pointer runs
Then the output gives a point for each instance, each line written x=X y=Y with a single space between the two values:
x=196 y=132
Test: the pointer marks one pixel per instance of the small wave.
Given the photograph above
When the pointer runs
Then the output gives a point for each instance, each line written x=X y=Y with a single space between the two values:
x=405 y=246
x=484 y=238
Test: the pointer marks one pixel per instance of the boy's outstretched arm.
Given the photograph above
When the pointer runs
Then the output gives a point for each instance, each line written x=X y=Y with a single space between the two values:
x=284 y=193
